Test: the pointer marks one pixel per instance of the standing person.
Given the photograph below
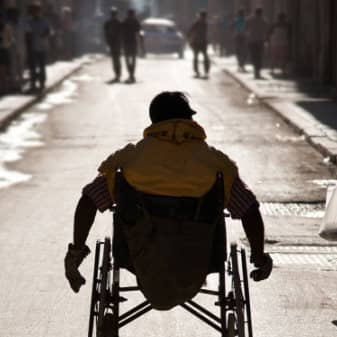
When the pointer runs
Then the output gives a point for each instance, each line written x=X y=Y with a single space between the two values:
x=17 y=50
x=240 y=39
x=280 y=37
x=55 y=41
x=198 y=38
x=113 y=38
x=67 y=33
x=131 y=29
x=257 y=33
x=37 y=35
x=6 y=40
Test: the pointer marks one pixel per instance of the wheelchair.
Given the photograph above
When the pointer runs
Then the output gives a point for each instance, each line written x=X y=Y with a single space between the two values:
x=232 y=298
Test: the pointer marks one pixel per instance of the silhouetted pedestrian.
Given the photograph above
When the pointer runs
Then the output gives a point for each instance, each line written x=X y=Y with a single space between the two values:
x=67 y=33
x=280 y=36
x=198 y=39
x=240 y=39
x=131 y=29
x=37 y=34
x=113 y=38
x=17 y=49
x=6 y=41
x=257 y=33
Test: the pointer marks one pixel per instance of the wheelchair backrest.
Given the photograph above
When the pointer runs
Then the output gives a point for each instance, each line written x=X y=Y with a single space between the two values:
x=172 y=242
x=207 y=208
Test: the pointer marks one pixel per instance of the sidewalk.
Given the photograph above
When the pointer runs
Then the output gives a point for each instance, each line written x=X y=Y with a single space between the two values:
x=12 y=105
x=300 y=103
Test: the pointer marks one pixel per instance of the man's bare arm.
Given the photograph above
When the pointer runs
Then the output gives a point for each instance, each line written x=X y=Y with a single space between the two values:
x=84 y=218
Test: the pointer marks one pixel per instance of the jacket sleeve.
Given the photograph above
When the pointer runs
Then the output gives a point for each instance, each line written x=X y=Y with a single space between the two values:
x=229 y=171
x=108 y=168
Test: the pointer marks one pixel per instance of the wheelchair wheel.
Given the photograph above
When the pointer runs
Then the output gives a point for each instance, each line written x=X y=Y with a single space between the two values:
x=247 y=296
x=95 y=282
x=104 y=288
x=231 y=325
x=238 y=294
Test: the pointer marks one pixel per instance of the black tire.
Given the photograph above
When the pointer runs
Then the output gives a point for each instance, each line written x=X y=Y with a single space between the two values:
x=107 y=325
x=247 y=296
x=231 y=325
x=94 y=290
x=239 y=300
x=104 y=287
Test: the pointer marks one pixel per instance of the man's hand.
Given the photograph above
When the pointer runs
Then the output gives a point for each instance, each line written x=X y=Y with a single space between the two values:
x=72 y=261
x=264 y=266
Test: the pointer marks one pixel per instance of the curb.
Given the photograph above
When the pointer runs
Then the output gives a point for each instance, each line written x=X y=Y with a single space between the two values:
x=320 y=142
x=4 y=122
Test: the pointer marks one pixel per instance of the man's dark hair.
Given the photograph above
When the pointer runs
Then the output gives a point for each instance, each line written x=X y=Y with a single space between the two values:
x=259 y=11
x=170 y=105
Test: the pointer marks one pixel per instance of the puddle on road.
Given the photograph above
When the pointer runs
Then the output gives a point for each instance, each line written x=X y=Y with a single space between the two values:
x=252 y=99
x=324 y=183
x=83 y=78
x=22 y=133
x=290 y=139
x=66 y=95
x=19 y=136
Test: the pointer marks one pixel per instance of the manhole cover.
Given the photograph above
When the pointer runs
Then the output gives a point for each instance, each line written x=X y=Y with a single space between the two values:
x=293 y=209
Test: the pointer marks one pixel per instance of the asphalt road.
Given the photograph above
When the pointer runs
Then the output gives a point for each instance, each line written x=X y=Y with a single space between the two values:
x=64 y=139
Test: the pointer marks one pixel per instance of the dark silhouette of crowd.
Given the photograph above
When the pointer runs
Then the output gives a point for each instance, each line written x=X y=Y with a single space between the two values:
x=259 y=41
x=29 y=40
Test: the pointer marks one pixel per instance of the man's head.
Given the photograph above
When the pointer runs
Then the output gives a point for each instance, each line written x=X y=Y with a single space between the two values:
x=282 y=17
x=36 y=8
x=170 y=105
x=203 y=15
x=113 y=12
x=259 y=12
x=131 y=13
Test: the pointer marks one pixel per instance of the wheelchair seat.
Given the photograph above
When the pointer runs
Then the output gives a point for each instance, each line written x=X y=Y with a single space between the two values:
x=169 y=243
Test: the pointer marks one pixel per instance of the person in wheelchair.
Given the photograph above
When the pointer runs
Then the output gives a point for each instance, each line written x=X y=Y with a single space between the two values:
x=172 y=160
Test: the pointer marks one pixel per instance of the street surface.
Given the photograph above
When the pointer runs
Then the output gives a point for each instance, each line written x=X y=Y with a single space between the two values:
x=53 y=150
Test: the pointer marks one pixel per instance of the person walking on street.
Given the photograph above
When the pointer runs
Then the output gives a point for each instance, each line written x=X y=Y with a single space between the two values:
x=6 y=41
x=240 y=40
x=280 y=37
x=257 y=33
x=17 y=50
x=198 y=38
x=37 y=35
x=113 y=38
x=131 y=29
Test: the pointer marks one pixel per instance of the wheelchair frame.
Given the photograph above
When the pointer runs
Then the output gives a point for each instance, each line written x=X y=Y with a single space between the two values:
x=233 y=298
x=235 y=312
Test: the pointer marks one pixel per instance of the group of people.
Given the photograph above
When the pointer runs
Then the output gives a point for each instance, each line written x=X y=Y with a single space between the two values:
x=123 y=36
x=29 y=41
x=251 y=36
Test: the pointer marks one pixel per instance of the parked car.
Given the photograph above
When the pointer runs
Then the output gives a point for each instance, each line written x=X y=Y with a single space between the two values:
x=161 y=36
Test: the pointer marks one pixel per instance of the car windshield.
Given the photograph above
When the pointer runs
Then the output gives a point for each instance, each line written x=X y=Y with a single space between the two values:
x=159 y=29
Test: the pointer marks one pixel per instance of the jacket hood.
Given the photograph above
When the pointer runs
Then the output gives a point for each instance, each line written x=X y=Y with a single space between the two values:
x=176 y=131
